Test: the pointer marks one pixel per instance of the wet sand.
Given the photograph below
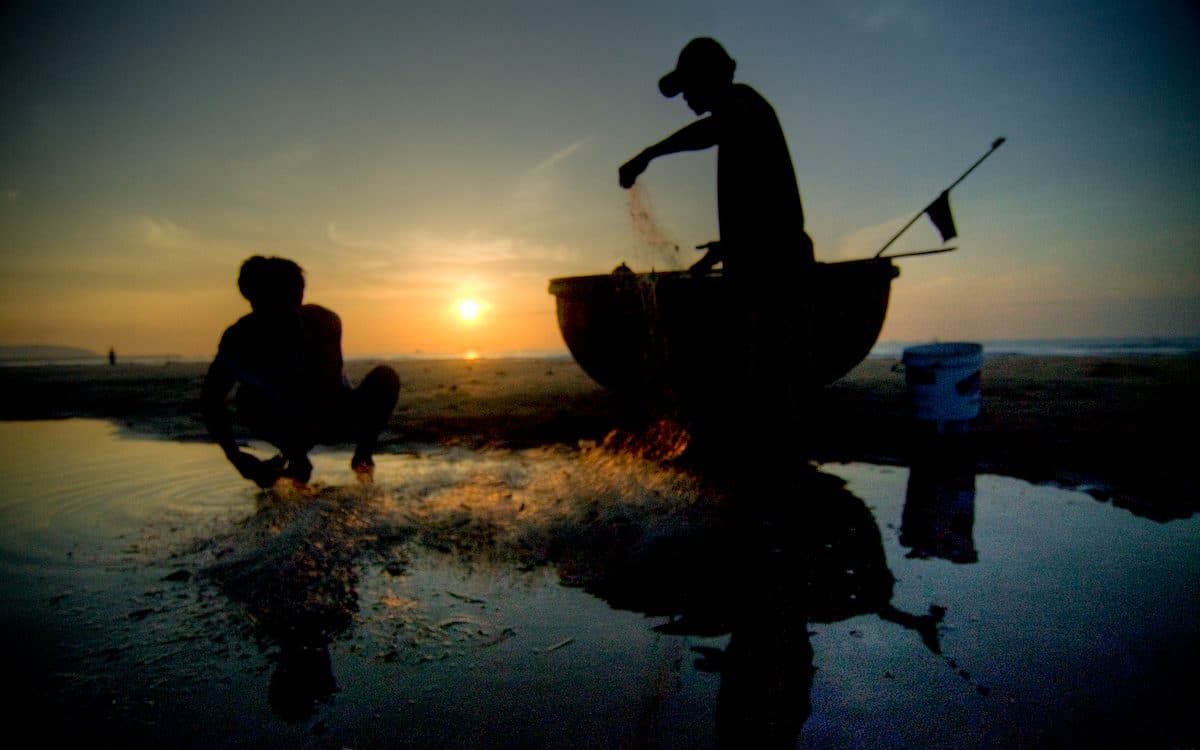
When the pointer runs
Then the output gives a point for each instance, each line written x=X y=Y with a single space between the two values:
x=1115 y=427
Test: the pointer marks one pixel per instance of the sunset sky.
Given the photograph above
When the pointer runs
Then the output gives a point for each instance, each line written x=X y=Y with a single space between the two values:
x=415 y=156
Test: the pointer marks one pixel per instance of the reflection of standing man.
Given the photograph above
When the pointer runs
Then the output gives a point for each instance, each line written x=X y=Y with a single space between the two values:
x=758 y=201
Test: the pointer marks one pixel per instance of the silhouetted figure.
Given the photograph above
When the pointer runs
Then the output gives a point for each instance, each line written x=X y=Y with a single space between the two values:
x=285 y=358
x=758 y=201
x=112 y=356
x=764 y=249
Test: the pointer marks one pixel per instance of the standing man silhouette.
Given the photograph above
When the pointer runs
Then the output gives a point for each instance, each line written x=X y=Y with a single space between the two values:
x=285 y=357
x=758 y=201
x=764 y=249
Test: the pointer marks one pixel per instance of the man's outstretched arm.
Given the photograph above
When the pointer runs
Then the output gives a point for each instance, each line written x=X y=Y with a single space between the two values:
x=701 y=134
x=218 y=382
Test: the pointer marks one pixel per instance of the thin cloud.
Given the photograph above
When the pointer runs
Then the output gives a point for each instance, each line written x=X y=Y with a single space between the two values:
x=535 y=189
x=880 y=15
x=362 y=244
x=422 y=247
x=174 y=240
x=562 y=154
x=474 y=251
x=161 y=233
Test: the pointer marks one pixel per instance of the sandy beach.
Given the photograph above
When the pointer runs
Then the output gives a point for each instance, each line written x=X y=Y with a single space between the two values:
x=1115 y=427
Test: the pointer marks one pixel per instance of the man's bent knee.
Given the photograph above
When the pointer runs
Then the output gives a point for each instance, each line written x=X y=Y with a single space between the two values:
x=376 y=396
x=382 y=382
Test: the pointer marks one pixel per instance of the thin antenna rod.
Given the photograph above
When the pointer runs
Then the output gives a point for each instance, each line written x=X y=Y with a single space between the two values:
x=995 y=145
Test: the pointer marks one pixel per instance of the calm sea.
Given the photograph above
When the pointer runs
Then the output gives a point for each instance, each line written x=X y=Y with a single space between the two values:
x=1184 y=346
x=1179 y=346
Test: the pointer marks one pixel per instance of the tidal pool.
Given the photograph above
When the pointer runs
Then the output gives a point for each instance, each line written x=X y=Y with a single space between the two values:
x=579 y=598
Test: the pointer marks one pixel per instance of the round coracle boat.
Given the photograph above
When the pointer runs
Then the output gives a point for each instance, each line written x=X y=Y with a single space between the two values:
x=675 y=337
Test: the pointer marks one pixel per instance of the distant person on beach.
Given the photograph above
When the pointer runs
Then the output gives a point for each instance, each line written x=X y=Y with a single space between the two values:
x=758 y=201
x=285 y=358
x=112 y=356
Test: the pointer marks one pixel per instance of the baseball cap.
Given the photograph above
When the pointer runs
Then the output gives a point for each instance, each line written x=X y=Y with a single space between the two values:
x=702 y=58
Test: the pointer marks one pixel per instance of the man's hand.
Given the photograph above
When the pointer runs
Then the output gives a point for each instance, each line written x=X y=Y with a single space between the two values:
x=630 y=170
x=712 y=257
x=262 y=473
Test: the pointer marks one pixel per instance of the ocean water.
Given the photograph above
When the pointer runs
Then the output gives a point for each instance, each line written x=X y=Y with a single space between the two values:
x=1144 y=346
x=1066 y=347
x=580 y=598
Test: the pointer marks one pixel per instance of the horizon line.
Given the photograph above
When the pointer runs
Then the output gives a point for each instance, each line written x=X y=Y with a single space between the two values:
x=1183 y=342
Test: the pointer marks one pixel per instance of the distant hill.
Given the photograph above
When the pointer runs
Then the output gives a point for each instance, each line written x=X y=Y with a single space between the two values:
x=22 y=352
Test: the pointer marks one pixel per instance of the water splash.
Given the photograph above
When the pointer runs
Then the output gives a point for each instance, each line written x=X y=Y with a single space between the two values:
x=314 y=566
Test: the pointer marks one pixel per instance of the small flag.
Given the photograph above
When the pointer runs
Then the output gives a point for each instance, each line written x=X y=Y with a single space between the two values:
x=939 y=214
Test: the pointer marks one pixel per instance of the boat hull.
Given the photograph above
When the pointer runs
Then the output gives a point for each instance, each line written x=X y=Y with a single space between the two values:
x=675 y=337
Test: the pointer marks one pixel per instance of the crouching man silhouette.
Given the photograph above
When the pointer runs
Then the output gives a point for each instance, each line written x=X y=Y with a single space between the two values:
x=285 y=358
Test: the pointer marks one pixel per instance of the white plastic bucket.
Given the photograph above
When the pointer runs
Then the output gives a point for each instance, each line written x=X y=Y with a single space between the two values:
x=943 y=381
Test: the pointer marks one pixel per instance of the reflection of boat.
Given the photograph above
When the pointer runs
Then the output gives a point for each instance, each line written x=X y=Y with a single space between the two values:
x=807 y=539
x=648 y=336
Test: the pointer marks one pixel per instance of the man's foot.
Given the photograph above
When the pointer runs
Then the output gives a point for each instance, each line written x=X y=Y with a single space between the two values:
x=264 y=473
x=363 y=468
x=298 y=469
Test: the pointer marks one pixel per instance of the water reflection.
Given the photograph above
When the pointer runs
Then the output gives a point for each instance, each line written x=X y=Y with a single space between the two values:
x=939 y=508
x=1079 y=619
x=297 y=581
x=779 y=555
x=761 y=560
x=302 y=680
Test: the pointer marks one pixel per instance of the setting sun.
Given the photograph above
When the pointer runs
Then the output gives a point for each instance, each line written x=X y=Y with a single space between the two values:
x=469 y=310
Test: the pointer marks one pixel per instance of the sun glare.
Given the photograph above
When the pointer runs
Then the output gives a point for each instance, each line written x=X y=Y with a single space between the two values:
x=469 y=310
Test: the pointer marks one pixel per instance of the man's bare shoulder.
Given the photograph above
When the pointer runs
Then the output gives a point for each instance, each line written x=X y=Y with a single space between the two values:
x=317 y=312
x=324 y=317
x=238 y=333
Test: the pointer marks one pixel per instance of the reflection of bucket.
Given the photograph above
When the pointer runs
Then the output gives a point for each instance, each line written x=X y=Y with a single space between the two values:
x=939 y=509
x=943 y=381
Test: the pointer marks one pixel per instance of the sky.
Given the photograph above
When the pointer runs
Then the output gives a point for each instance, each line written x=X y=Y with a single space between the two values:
x=412 y=156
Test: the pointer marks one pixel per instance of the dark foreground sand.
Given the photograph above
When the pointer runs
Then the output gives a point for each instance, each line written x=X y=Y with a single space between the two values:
x=1120 y=428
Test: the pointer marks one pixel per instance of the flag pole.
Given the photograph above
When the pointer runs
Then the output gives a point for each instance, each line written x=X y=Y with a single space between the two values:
x=995 y=145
